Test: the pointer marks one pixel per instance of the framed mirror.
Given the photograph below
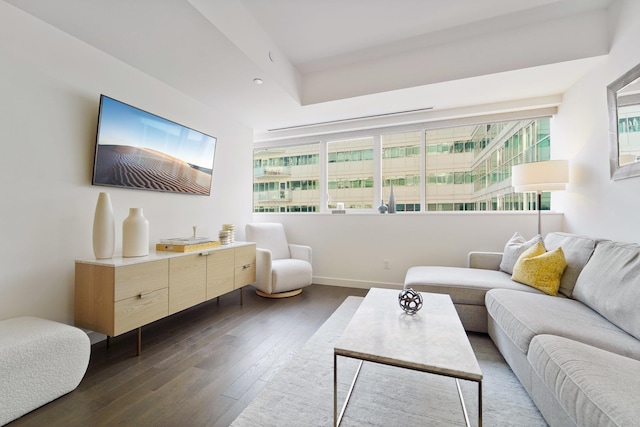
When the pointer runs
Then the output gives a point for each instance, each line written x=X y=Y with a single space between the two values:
x=623 y=98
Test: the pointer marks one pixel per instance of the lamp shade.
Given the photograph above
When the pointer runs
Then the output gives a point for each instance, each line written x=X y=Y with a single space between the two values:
x=550 y=175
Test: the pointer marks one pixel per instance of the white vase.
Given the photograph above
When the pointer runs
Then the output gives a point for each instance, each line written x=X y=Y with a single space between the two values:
x=135 y=234
x=104 y=229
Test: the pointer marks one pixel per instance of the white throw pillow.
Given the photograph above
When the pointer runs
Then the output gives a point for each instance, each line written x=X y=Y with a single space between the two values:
x=514 y=248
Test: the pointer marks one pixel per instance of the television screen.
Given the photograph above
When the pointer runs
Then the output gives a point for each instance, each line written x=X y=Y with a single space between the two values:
x=136 y=149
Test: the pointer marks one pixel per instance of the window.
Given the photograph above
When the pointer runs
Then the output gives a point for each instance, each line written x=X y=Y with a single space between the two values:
x=401 y=167
x=286 y=179
x=464 y=168
x=481 y=174
x=350 y=173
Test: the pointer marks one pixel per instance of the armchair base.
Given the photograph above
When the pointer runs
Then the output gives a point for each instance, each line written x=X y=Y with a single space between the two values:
x=286 y=294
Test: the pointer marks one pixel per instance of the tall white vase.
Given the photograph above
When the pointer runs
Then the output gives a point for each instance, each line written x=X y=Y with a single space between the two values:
x=104 y=229
x=135 y=234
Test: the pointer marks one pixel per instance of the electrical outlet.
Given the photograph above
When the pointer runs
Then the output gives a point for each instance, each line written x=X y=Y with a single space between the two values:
x=386 y=264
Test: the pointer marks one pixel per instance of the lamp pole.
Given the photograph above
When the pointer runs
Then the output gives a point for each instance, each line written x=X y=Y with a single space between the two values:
x=539 y=205
x=536 y=177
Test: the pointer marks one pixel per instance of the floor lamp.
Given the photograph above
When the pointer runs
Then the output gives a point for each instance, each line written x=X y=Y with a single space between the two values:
x=538 y=177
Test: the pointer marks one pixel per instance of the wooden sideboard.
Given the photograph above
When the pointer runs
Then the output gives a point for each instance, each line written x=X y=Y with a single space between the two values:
x=118 y=295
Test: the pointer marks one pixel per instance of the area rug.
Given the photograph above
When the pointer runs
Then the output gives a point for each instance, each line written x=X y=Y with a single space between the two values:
x=301 y=393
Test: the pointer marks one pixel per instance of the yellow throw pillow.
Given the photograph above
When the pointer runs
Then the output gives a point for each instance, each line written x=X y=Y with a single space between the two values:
x=540 y=269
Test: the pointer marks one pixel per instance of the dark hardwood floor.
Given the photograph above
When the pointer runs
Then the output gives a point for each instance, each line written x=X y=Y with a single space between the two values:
x=199 y=367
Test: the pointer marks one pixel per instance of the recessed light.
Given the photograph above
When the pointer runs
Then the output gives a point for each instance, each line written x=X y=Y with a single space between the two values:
x=258 y=81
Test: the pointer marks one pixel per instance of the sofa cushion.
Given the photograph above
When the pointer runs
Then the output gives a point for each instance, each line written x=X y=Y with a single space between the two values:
x=541 y=269
x=610 y=284
x=522 y=316
x=513 y=249
x=595 y=387
x=577 y=251
x=464 y=285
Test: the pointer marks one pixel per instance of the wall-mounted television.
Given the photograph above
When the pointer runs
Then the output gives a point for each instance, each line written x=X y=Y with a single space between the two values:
x=137 y=149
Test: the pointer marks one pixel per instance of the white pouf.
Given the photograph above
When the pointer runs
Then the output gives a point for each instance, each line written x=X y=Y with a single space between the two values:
x=40 y=360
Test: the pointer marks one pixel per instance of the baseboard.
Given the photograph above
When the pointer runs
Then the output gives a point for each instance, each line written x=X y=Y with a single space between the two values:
x=350 y=283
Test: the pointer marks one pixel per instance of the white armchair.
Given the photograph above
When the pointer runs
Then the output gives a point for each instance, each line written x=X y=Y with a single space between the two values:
x=283 y=269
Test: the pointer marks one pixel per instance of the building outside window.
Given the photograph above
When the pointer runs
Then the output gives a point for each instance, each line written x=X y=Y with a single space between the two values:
x=350 y=173
x=471 y=167
x=401 y=167
x=464 y=168
x=286 y=179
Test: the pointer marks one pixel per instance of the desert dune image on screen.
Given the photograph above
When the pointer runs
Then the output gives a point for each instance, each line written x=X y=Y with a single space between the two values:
x=136 y=149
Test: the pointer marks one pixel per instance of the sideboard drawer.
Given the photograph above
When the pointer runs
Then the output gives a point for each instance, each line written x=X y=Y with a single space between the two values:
x=245 y=275
x=245 y=262
x=134 y=312
x=245 y=255
x=133 y=280
x=245 y=272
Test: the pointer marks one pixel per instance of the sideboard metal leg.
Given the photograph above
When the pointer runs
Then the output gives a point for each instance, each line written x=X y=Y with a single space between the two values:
x=139 y=344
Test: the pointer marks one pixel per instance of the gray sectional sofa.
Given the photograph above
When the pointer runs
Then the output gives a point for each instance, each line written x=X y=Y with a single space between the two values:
x=578 y=353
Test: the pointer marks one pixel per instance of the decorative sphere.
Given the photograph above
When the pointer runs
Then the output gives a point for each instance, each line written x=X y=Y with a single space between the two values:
x=410 y=301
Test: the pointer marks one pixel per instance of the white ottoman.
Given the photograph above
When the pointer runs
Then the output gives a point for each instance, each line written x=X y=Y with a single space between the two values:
x=40 y=360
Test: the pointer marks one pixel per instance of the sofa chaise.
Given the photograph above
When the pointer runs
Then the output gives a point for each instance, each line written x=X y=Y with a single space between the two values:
x=577 y=353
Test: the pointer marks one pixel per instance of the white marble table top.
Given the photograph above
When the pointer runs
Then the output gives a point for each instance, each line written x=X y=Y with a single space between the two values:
x=432 y=340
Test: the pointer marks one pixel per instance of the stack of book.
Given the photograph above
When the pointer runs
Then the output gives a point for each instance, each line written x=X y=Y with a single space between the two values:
x=186 y=244
x=225 y=237
x=231 y=228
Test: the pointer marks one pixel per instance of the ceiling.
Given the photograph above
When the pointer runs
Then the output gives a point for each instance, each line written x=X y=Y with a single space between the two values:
x=331 y=60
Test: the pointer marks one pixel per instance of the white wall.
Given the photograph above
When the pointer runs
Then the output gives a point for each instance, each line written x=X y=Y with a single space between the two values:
x=49 y=91
x=594 y=204
x=350 y=249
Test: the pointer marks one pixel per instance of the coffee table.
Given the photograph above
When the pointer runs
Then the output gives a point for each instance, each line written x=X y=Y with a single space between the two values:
x=435 y=342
